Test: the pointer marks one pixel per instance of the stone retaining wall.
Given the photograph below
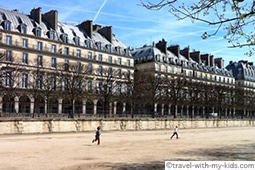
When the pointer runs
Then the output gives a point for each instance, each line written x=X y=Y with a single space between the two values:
x=28 y=126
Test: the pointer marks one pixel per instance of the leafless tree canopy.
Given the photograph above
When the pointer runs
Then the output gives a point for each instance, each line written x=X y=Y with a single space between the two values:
x=236 y=17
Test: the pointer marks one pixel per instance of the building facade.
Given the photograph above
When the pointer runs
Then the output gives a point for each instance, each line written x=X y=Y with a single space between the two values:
x=48 y=66
x=198 y=84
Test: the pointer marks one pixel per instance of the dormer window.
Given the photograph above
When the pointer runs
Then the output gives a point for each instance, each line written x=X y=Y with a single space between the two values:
x=51 y=35
x=99 y=45
x=77 y=41
x=88 y=43
x=117 y=50
x=38 y=32
x=23 y=28
x=64 y=38
x=7 y=25
x=109 y=48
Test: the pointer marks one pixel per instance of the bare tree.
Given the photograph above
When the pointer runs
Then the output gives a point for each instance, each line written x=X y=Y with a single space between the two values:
x=73 y=80
x=11 y=73
x=178 y=90
x=236 y=17
x=109 y=86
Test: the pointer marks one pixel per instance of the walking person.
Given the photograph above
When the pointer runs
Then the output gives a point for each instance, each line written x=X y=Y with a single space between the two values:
x=97 y=136
x=175 y=132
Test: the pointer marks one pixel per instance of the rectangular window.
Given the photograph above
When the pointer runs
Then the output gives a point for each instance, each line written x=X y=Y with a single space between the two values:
x=66 y=51
x=100 y=57
x=53 y=83
x=25 y=58
x=53 y=62
x=89 y=71
x=78 y=53
x=110 y=72
x=128 y=75
x=89 y=85
x=77 y=41
x=24 y=80
x=110 y=59
x=7 y=25
x=39 y=60
x=100 y=70
x=119 y=61
x=8 y=79
x=39 y=81
x=119 y=73
x=52 y=35
x=66 y=65
x=24 y=43
x=9 y=55
x=9 y=40
x=38 y=32
x=39 y=45
x=53 y=48
x=90 y=55
x=23 y=29
x=128 y=62
x=78 y=66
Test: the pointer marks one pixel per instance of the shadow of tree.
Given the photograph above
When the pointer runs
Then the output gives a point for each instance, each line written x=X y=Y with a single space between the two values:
x=242 y=152
x=235 y=153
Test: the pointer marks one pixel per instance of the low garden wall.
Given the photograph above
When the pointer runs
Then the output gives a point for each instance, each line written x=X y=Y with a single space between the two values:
x=28 y=126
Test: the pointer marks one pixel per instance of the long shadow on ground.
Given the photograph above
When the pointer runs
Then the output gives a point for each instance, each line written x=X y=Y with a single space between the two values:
x=235 y=153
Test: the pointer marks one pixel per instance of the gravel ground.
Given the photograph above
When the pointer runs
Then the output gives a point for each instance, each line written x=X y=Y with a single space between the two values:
x=124 y=150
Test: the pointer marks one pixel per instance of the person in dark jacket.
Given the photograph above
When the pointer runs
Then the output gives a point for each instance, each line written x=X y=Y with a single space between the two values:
x=97 y=136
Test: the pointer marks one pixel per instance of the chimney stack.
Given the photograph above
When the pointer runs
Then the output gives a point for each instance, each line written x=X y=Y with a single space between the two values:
x=212 y=60
x=206 y=59
x=36 y=14
x=88 y=27
x=196 y=56
x=175 y=49
x=219 y=62
x=185 y=53
x=51 y=18
x=161 y=45
x=106 y=32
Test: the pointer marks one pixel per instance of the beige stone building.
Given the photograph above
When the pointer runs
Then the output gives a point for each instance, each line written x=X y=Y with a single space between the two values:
x=39 y=54
x=200 y=74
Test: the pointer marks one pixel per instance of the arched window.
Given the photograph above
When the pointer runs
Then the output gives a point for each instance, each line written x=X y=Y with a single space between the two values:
x=51 y=34
x=76 y=40
x=64 y=38
x=23 y=28
x=37 y=31
x=7 y=25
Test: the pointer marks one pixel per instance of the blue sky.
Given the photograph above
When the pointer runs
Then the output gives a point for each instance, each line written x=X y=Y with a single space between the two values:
x=135 y=26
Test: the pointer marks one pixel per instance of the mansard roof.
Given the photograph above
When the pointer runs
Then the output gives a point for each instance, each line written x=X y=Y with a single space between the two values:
x=150 y=53
x=71 y=31
x=242 y=70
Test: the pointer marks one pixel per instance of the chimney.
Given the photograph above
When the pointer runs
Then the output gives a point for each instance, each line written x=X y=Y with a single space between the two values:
x=107 y=33
x=36 y=14
x=51 y=18
x=195 y=55
x=205 y=58
x=250 y=63
x=219 y=62
x=175 y=49
x=212 y=60
x=88 y=27
x=161 y=45
x=185 y=52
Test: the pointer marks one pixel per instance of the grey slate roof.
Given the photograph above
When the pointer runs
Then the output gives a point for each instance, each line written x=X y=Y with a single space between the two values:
x=151 y=54
x=15 y=17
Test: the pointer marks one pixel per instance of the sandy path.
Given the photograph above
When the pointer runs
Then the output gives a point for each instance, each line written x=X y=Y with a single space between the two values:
x=128 y=149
